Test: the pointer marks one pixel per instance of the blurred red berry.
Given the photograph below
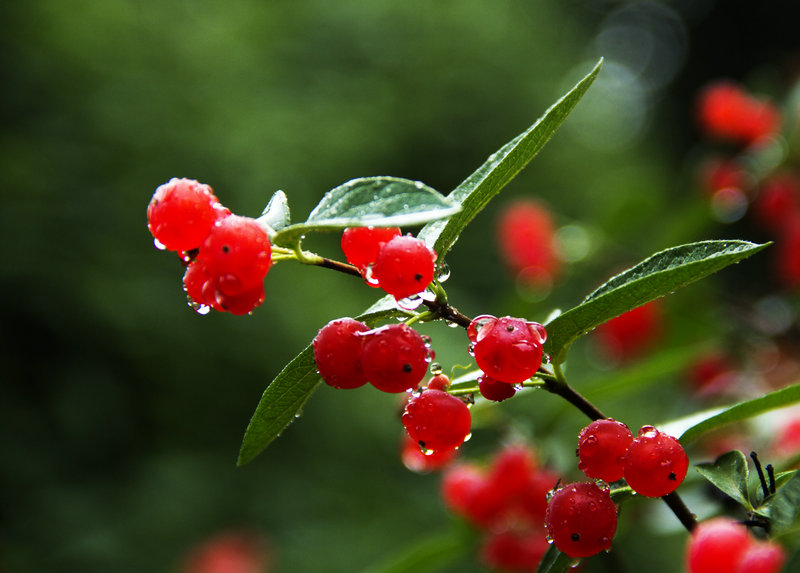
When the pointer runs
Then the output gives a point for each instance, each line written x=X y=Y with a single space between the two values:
x=725 y=111
x=763 y=557
x=711 y=375
x=717 y=545
x=514 y=550
x=787 y=253
x=718 y=174
x=525 y=236
x=228 y=553
x=424 y=462
x=631 y=334
x=778 y=202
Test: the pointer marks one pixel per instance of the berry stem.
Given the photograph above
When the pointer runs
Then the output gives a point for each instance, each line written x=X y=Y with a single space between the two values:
x=557 y=384
x=760 y=471
x=686 y=517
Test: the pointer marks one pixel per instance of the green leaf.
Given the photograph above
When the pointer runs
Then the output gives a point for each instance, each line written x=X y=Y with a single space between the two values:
x=730 y=474
x=784 y=507
x=741 y=411
x=660 y=274
x=285 y=396
x=475 y=192
x=428 y=555
x=555 y=562
x=280 y=403
x=380 y=201
x=276 y=214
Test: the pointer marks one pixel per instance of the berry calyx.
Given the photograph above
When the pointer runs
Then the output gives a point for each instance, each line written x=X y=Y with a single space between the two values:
x=581 y=519
x=436 y=420
x=360 y=245
x=602 y=446
x=181 y=214
x=507 y=349
x=655 y=464
x=716 y=545
x=394 y=358
x=337 y=352
x=404 y=266
x=236 y=254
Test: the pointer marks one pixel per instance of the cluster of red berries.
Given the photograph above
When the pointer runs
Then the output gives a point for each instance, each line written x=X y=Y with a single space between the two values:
x=507 y=502
x=653 y=463
x=727 y=112
x=721 y=544
x=526 y=239
x=508 y=352
x=401 y=265
x=631 y=334
x=581 y=517
x=227 y=255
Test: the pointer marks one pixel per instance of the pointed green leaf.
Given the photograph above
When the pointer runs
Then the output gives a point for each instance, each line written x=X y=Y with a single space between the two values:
x=380 y=201
x=784 y=507
x=478 y=189
x=741 y=411
x=660 y=274
x=555 y=562
x=730 y=474
x=285 y=396
x=276 y=214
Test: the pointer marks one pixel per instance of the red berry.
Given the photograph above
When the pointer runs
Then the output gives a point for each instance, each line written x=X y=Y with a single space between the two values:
x=439 y=382
x=581 y=519
x=512 y=469
x=495 y=390
x=424 y=462
x=240 y=303
x=514 y=550
x=787 y=253
x=360 y=245
x=717 y=546
x=727 y=112
x=229 y=552
x=532 y=502
x=778 y=201
x=236 y=254
x=436 y=420
x=404 y=266
x=719 y=174
x=194 y=278
x=459 y=485
x=762 y=557
x=507 y=349
x=525 y=234
x=602 y=446
x=655 y=464
x=181 y=214
x=631 y=334
x=337 y=352
x=394 y=358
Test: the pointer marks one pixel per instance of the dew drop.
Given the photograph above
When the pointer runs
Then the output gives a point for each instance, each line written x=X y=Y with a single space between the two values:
x=159 y=245
x=427 y=295
x=410 y=302
x=468 y=436
x=201 y=309
x=369 y=276
x=451 y=324
x=471 y=349
x=436 y=368
x=427 y=340
x=443 y=272
x=648 y=432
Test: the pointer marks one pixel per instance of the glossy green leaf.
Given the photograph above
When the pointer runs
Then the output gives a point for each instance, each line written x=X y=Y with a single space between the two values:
x=741 y=411
x=729 y=473
x=555 y=562
x=475 y=192
x=784 y=507
x=276 y=214
x=660 y=274
x=381 y=201
x=285 y=396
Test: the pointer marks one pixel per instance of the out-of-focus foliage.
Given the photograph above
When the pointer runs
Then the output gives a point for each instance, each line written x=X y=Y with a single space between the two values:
x=122 y=410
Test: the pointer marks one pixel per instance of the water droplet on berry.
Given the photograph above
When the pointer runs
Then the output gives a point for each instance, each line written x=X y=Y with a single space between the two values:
x=443 y=272
x=469 y=436
x=369 y=276
x=426 y=340
x=202 y=309
x=648 y=432
x=574 y=563
x=159 y=245
x=471 y=349
x=539 y=330
x=410 y=302
x=436 y=368
x=549 y=539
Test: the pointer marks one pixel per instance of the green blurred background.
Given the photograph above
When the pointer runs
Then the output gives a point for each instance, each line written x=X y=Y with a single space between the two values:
x=122 y=410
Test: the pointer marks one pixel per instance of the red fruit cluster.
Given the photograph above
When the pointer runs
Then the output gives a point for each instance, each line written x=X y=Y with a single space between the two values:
x=227 y=255
x=727 y=112
x=348 y=354
x=507 y=502
x=401 y=265
x=721 y=544
x=581 y=519
x=653 y=463
x=631 y=334
x=507 y=350
x=525 y=236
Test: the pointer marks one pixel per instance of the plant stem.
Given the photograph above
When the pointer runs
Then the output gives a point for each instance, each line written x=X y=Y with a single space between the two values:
x=686 y=517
